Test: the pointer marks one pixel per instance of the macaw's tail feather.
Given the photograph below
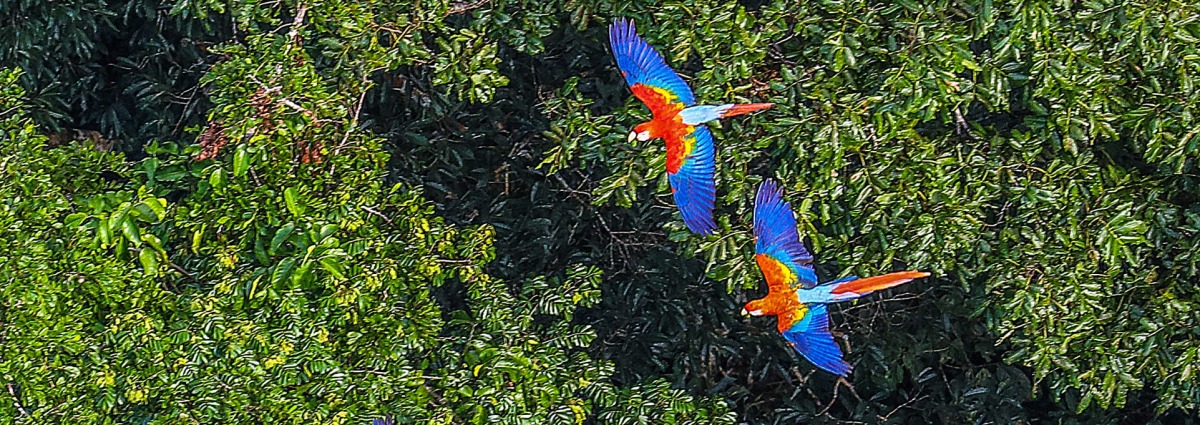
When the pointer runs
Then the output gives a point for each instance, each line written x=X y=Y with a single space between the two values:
x=877 y=283
x=745 y=108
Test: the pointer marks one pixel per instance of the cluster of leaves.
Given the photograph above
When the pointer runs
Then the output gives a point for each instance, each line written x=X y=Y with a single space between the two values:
x=1028 y=150
x=125 y=69
x=278 y=278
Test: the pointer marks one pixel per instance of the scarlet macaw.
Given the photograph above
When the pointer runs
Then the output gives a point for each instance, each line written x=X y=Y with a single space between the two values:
x=678 y=120
x=802 y=316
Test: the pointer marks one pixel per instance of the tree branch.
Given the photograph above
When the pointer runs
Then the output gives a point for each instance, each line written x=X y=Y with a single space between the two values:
x=16 y=400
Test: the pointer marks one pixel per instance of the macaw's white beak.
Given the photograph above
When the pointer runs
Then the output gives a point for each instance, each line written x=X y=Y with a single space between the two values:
x=632 y=136
x=745 y=313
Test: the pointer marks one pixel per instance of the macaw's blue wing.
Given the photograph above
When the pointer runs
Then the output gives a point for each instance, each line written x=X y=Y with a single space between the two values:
x=775 y=234
x=692 y=181
x=811 y=338
x=643 y=66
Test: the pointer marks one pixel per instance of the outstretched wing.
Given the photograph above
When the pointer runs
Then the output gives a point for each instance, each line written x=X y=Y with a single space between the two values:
x=780 y=254
x=811 y=338
x=651 y=80
x=690 y=170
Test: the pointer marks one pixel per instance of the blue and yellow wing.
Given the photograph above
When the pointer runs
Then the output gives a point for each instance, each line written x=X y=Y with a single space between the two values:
x=647 y=74
x=775 y=237
x=809 y=336
x=693 y=182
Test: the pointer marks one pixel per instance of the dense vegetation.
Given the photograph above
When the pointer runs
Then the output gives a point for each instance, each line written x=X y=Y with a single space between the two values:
x=310 y=212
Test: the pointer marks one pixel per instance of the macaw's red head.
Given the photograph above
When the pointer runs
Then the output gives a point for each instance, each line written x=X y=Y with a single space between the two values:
x=774 y=304
x=755 y=308
x=641 y=132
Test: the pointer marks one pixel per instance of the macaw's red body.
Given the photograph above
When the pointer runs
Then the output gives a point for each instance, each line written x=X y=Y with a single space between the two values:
x=677 y=120
x=793 y=295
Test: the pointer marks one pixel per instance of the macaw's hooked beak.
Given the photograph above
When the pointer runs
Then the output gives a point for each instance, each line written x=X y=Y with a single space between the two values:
x=632 y=136
x=745 y=313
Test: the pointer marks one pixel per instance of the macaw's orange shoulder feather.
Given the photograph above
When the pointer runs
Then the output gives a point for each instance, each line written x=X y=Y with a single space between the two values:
x=779 y=277
x=781 y=296
x=662 y=103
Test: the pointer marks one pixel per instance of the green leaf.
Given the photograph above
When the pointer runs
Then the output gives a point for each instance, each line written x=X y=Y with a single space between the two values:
x=241 y=161
x=291 y=201
x=281 y=236
x=217 y=178
x=283 y=271
x=131 y=232
x=149 y=261
x=333 y=266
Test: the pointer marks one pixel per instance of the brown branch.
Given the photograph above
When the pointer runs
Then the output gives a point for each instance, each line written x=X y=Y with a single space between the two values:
x=354 y=118
x=16 y=400
x=284 y=100
x=578 y=195
x=174 y=266
x=7 y=111
x=179 y=269
x=464 y=7
x=372 y=211
x=294 y=33
x=960 y=124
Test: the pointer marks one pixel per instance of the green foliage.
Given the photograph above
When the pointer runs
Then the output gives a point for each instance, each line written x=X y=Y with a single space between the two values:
x=1022 y=147
x=269 y=274
x=125 y=69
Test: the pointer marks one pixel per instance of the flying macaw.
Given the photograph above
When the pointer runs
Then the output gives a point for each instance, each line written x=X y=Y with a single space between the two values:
x=678 y=120
x=794 y=296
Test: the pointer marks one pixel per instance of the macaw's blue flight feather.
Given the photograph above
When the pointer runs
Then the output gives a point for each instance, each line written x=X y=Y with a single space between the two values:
x=811 y=338
x=775 y=233
x=693 y=184
x=641 y=64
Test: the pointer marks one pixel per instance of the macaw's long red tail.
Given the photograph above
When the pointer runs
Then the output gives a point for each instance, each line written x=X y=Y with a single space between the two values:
x=877 y=283
x=745 y=108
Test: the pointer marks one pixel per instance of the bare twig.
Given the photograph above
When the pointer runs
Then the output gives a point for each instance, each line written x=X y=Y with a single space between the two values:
x=179 y=269
x=578 y=195
x=915 y=397
x=7 y=111
x=834 y=398
x=294 y=33
x=173 y=266
x=16 y=400
x=354 y=118
x=961 y=125
x=293 y=105
x=464 y=7
x=447 y=261
x=377 y=213
x=283 y=100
